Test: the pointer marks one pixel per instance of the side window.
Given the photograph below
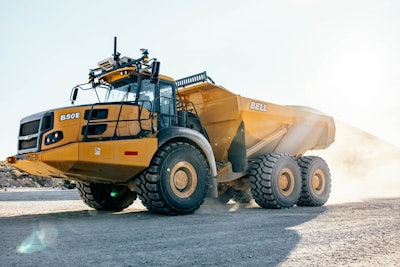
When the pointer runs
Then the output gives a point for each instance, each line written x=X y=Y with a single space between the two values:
x=146 y=95
x=167 y=99
x=147 y=90
x=167 y=116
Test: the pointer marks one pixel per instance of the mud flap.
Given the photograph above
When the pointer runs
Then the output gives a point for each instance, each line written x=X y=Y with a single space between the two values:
x=213 y=188
x=237 y=151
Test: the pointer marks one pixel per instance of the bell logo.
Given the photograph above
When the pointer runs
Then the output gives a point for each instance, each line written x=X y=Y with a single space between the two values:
x=258 y=106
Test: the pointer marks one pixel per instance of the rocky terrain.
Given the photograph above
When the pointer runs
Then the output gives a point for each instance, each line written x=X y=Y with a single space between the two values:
x=12 y=178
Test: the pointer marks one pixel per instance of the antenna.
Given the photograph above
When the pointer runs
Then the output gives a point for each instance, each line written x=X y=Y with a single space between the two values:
x=116 y=54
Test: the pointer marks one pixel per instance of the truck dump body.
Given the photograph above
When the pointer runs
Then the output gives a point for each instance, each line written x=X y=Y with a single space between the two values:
x=262 y=127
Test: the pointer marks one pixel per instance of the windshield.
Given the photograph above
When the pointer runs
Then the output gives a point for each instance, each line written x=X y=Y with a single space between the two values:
x=127 y=90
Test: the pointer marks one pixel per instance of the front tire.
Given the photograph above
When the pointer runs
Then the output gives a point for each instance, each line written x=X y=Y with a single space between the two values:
x=106 y=196
x=316 y=181
x=275 y=181
x=177 y=180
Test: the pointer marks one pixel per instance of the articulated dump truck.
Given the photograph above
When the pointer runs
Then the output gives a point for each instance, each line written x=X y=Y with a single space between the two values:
x=175 y=142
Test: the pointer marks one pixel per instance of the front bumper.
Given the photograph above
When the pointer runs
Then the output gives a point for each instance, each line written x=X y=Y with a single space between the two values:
x=100 y=161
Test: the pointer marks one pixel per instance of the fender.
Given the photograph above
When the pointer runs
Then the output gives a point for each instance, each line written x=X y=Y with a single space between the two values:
x=171 y=133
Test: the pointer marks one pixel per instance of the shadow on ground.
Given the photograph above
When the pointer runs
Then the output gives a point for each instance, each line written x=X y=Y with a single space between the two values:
x=225 y=235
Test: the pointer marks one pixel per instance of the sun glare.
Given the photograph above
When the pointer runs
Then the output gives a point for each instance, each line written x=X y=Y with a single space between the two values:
x=356 y=77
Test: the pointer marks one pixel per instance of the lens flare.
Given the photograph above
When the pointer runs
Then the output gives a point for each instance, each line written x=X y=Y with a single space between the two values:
x=39 y=239
x=114 y=193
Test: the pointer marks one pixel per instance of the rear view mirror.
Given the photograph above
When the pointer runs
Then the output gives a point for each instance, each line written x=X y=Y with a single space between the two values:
x=74 y=95
x=155 y=70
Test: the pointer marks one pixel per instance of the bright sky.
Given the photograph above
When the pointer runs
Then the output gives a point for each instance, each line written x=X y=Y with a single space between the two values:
x=341 y=57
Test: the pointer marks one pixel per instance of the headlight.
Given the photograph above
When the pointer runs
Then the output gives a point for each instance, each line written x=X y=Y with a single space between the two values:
x=53 y=137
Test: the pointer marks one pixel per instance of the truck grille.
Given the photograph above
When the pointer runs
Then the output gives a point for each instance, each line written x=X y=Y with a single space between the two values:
x=26 y=144
x=28 y=128
x=31 y=131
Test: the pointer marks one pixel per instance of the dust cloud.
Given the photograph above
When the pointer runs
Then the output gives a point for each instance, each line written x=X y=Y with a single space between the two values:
x=362 y=166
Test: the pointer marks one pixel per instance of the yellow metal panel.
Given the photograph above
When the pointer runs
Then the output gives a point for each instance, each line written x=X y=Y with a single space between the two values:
x=268 y=127
x=136 y=152
x=221 y=136
x=166 y=78
x=263 y=119
x=54 y=162
x=118 y=74
x=70 y=121
x=102 y=161
x=311 y=130
x=219 y=113
x=116 y=160
x=61 y=158
x=219 y=110
x=126 y=72
x=35 y=167
x=204 y=93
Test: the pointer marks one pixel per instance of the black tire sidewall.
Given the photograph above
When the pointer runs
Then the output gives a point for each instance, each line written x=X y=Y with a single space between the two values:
x=188 y=153
x=101 y=194
x=318 y=163
x=286 y=200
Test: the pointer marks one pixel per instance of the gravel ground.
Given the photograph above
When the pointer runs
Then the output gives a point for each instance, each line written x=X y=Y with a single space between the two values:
x=54 y=227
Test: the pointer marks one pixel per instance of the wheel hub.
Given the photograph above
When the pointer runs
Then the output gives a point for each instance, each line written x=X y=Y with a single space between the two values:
x=286 y=181
x=183 y=179
x=318 y=181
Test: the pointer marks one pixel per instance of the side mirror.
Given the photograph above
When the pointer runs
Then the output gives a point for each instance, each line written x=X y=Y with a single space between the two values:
x=155 y=70
x=74 y=95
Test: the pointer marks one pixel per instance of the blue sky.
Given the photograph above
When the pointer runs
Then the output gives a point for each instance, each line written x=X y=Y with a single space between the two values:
x=341 y=57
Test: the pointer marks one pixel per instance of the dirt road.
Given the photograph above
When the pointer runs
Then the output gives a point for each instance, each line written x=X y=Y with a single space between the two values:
x=54 y=228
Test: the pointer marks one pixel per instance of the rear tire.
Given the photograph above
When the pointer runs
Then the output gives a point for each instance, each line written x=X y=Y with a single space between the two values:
x=275 y=181
x=106 y=196
x=316 y=181
x=177 y=180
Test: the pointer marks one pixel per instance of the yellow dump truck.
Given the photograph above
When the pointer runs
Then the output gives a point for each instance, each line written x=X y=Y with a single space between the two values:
x=173 y=142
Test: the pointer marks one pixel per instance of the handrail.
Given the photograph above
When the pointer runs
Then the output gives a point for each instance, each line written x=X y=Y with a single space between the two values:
x=117 y=121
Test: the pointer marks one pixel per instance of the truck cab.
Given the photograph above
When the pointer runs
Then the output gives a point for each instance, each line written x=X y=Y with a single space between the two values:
x=138 y=89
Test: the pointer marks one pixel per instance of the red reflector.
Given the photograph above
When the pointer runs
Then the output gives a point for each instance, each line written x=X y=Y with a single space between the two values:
x=131 y=153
